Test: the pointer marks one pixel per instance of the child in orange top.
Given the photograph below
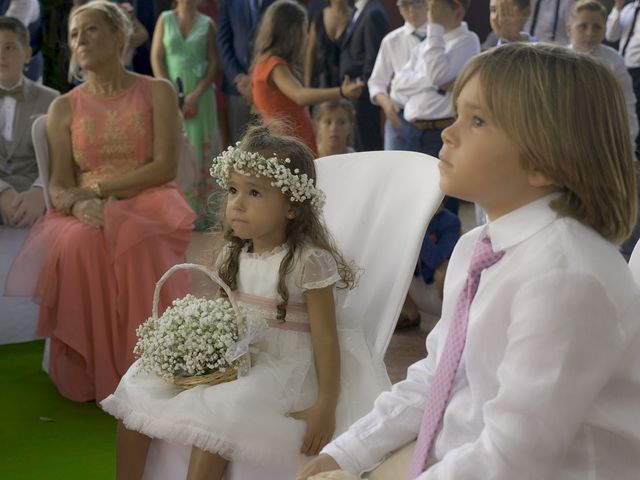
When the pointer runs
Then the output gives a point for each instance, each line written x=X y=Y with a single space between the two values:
x=276 y=72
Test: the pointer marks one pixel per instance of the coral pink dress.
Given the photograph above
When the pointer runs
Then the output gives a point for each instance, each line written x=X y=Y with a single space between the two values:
x=271 y=103
x=95 y=286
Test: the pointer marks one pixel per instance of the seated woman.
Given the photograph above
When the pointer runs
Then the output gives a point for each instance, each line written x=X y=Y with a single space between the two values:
x=117 y=223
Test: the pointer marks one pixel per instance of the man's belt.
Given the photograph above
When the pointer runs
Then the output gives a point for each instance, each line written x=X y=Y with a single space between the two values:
x=433 y=124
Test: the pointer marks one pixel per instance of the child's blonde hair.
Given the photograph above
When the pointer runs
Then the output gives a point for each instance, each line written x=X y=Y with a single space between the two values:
x=306 y=228
x=115 y=17
x=281 y=32
x=589 y=6
x=567 y=114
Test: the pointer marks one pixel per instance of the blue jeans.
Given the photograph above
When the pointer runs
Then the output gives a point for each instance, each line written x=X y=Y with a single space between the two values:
x=396 y=138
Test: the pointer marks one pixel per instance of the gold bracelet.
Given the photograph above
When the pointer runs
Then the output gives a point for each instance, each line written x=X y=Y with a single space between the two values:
x=95 y=188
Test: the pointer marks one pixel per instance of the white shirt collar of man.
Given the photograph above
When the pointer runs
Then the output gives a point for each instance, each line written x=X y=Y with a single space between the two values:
x=410 y=29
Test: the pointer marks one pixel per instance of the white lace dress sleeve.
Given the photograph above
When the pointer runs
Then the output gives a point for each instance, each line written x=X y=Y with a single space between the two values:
x=319 y=269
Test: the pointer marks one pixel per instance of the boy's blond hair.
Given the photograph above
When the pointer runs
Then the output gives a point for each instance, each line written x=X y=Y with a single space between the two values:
x=567 y=114
x=589 y=6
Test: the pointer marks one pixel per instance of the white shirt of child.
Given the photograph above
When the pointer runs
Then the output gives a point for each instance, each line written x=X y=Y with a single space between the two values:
x=549 y=381
x=437 y=61
x=394 y=52
x=618 y=28
x=547 y=18
x=8 y=113
x=615 y=62
x=27 y=11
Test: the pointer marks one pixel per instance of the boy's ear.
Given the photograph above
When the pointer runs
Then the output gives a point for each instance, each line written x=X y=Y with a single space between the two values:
x=539 y=180
x=27 y=54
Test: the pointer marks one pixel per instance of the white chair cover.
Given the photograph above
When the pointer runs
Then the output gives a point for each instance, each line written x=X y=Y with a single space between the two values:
x=378 y=207
x=634 y=263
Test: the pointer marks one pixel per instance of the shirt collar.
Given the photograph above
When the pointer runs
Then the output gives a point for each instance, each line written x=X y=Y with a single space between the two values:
x=522 y=223
x=20 y=82
x=527 y=37
x=460 y=29
x=408 y=29
x=359 y=5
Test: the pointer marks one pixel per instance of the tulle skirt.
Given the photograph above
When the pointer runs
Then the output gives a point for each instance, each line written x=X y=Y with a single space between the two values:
x=95 y=286
x=246 y=419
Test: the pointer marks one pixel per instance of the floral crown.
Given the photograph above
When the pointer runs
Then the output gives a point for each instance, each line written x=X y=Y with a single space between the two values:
x=299 y=187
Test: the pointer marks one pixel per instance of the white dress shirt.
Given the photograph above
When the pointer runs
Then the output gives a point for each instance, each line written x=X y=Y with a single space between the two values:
x=547 y=18
x=27 y=11
x=8 y=113
x=358 y=6
x=548 y=386
x=394 y=52
x=437 y=61
x=618 y=28
x=615 y=62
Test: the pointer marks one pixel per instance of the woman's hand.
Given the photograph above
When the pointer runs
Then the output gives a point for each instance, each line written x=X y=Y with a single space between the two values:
x=351 y=89
x=90 y=212
x=190 y=107
x=321 y=423
x=65 y=199
x=323 y=463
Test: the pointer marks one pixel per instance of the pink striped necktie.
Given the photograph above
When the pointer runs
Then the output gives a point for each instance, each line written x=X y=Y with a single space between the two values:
x=483 y=257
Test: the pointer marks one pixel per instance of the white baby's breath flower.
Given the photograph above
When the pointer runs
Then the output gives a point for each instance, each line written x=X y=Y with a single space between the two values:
x=300 y=187
x=190 y=338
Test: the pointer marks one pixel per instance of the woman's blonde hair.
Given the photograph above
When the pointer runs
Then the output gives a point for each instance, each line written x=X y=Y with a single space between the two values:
x=306 y=229
x=567 y=114
x=281 y=32
x=116 y=18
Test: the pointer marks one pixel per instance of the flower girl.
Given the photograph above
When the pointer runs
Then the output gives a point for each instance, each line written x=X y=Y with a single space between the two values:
x=304 y=384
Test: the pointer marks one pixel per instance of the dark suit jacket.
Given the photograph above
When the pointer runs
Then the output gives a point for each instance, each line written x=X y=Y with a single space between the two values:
x=18 y=165
x=236 y=29
x=361 y=42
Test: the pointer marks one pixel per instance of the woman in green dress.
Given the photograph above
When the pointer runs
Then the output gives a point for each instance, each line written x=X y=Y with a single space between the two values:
x=184 y=46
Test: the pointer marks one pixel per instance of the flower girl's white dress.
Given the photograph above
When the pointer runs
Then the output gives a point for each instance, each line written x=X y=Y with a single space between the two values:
x=245 y=419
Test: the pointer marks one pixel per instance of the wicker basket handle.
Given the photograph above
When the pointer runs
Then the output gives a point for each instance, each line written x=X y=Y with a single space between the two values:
x=193 y=266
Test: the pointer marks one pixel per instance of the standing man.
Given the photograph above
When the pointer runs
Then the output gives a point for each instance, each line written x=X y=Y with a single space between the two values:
x=359 y=49
x=236 y=28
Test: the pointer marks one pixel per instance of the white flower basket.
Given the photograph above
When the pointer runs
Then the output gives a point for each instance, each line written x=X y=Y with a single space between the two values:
x=187 y=345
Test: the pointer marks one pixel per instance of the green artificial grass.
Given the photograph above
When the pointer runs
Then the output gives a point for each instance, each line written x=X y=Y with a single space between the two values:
x=42 y=434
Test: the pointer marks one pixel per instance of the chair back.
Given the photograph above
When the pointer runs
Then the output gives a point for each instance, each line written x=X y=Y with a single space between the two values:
x=39 y=138
x=634 y=263
x=379 y=205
